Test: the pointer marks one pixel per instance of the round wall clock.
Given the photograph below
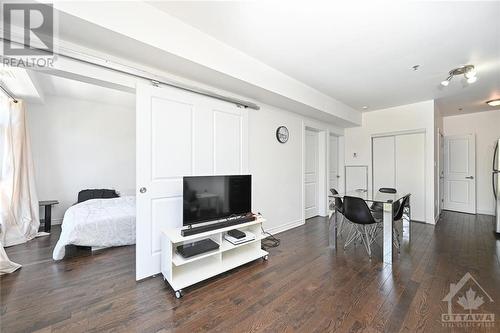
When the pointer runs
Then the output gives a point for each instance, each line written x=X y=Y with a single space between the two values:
x=282 y=134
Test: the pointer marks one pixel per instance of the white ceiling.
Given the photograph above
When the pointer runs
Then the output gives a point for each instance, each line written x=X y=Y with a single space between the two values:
x=72 y=89
x=363 y=53
x=33 y=86
x=19 y=83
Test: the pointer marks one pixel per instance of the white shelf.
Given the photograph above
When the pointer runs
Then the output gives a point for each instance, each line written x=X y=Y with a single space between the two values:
x=226 y=246
x=179 y=260
x=183 y=272
x=196 y=272
x=175 y=234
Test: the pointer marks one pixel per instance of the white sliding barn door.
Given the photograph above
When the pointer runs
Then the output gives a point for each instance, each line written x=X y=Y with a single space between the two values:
x=311 y=175
x=333 y=177
x=179 y=134
x=459 y=173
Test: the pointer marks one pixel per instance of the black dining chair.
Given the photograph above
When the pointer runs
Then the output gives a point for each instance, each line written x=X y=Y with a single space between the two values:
x=338 y=205
x=378 y=207
x=399 y=208
x=363 y=224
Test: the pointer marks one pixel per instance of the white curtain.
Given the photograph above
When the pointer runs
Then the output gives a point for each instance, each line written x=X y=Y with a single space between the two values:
x=19 y=220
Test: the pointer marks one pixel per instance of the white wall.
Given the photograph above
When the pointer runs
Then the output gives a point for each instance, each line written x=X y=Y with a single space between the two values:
x=409 y=117
x=277 y=169
x=486 y=127
x=79 y=144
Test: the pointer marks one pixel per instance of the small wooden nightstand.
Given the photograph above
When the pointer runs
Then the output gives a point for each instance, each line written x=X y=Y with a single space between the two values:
x=48 y=212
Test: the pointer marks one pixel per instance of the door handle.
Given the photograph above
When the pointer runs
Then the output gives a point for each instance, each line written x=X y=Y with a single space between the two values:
x=143 y=190
x=470 y=177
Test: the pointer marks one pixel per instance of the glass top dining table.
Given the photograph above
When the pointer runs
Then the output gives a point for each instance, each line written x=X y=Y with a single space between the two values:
x=369 y=196
x=387 y=200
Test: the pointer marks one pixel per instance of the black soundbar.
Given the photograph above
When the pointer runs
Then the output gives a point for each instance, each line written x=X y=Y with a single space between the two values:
x=218 y=225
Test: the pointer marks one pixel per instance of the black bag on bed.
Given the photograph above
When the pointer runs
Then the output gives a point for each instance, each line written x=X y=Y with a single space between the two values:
x=96 y=194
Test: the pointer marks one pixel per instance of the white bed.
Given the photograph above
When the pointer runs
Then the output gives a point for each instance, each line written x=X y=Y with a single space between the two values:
x=98 y=223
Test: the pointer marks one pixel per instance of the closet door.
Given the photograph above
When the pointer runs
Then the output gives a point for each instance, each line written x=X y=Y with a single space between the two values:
x=383 y=162
x=410 y=171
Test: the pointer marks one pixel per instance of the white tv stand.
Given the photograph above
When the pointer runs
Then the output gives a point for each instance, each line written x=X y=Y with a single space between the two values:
x=182 y=272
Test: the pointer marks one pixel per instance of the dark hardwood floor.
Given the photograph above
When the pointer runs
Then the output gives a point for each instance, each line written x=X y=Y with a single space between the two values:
x=304 y=287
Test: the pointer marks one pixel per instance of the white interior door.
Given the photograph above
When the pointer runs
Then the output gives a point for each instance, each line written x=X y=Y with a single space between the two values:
x=460 y=173
x=410 y=171
x=179 y=134
x=384 y=163
x=333 y=178
x=311 y=174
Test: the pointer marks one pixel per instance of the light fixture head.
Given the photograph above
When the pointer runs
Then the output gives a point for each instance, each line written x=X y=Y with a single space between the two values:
x=447 y=81
x=365 y=107
x=494 y=102
x=468 y=71
x=472 y=79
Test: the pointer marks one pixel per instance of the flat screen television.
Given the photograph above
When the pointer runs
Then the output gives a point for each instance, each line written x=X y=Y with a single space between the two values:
x=210 y=198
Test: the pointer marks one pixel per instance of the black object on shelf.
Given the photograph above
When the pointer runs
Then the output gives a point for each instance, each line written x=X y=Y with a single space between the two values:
x=236 y=234
x=218 y=225
x=198 y=247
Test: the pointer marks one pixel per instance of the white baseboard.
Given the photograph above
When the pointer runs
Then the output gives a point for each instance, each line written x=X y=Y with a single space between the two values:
x=485 y=212
x=285 y=227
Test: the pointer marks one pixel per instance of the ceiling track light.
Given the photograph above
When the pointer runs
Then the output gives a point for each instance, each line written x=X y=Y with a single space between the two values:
x=447 y=81
x=468 y=71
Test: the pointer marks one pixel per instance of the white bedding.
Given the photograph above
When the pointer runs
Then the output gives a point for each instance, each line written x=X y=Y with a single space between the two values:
x=98 y=223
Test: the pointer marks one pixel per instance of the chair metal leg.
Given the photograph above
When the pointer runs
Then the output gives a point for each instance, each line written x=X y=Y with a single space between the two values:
x=365 y=237
x=366 y=234
x=351 y=235
x=340 y=228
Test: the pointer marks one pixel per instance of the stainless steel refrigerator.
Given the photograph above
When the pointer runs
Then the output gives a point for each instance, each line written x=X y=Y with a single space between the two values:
x=495 y=177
